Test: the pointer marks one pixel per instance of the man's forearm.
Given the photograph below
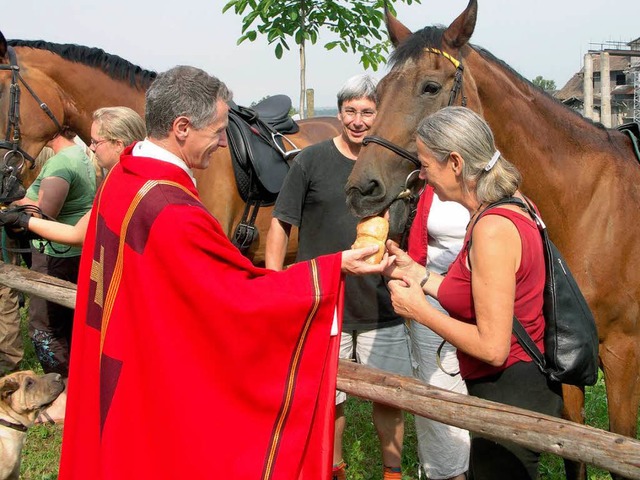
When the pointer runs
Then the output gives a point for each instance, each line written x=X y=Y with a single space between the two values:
x=277 y=242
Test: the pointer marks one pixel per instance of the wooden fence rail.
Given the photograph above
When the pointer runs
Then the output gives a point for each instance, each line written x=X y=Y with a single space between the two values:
x=615 y=453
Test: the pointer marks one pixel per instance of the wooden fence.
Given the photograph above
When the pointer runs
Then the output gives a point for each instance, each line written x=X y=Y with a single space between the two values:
x=615 y=453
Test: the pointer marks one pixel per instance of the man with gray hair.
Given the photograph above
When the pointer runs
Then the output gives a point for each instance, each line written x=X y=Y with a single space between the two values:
x=188 y=361
x=313 y=199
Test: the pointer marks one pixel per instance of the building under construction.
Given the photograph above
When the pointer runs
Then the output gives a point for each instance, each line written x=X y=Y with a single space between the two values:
x=607 y=89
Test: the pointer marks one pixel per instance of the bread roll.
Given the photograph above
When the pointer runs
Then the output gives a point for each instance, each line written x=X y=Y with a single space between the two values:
x=372 y=231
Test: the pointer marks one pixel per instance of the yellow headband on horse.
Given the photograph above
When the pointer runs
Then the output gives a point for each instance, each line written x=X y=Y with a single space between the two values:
x=455 y=62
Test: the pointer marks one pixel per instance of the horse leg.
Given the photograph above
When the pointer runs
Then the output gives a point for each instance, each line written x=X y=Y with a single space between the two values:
x=573 y=398
x=620 y=359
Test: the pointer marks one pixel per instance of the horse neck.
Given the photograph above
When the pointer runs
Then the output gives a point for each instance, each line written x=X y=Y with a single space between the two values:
x=534 y=131
x=83 y=88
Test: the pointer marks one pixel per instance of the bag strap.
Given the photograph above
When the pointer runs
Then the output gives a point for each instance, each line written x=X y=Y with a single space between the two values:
x=497 y=203
x=526 y=342
x=524 y=339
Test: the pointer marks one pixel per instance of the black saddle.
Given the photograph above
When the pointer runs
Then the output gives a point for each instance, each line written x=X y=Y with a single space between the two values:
x=257 y=145
x=274 y=111
x=633 y=130
x=260 y=154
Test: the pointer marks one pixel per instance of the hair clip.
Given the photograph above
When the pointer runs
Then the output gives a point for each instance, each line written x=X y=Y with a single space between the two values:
x=493 y=161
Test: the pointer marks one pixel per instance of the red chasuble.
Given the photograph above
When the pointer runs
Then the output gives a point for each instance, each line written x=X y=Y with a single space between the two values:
x=187 y=361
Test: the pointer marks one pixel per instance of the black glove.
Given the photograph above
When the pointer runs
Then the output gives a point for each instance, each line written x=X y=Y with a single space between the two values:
x=14 y=218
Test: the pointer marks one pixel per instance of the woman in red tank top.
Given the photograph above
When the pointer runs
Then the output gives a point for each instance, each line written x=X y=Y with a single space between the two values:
x=499 y=273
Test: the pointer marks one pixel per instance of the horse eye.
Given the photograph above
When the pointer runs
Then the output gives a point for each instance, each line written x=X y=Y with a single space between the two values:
x=431 y=88
x=28 y=383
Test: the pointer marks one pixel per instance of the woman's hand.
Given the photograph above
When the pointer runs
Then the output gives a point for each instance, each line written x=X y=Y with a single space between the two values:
x=353 y=262
x=407 y=298
x=403 y=265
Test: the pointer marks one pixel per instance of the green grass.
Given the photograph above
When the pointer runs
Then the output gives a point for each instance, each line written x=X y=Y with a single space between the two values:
x=361 y=448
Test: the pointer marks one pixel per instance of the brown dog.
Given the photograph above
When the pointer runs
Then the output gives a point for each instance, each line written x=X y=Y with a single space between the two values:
x=23 y=395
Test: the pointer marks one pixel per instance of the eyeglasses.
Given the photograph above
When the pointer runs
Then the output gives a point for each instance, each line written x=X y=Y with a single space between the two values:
x=96 y=143
x=364 y=114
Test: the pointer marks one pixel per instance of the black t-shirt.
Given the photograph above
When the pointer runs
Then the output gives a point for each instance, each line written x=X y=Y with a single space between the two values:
x=313 y=199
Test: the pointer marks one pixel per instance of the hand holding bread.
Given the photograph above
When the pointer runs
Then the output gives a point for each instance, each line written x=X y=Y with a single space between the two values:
x=372 y=231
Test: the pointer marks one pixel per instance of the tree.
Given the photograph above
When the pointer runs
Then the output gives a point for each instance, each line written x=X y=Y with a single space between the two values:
x=546 y=85
x=356 y=22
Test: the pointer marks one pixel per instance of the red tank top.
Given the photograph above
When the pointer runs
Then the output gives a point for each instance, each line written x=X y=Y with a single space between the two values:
x=455 y=295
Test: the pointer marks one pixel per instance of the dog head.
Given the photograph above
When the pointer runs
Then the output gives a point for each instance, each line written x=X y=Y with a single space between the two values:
x=23 y=395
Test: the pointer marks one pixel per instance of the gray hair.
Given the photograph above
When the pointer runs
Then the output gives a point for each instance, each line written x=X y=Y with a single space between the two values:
x=183 y=91
x=360 y=86
x=464 y=131
x=120 y=123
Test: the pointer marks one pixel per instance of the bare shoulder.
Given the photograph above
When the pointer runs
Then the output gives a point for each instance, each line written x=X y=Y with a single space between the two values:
x=494 y=227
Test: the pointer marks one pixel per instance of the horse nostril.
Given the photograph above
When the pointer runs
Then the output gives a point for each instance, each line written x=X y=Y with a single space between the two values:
x=363 y=192
x=365 y=198
x=371 y=189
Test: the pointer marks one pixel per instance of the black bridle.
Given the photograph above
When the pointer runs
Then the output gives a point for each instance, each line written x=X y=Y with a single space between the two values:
x=12 y=138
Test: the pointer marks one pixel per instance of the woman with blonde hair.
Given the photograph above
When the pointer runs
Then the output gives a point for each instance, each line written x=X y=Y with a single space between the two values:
x=113 y=129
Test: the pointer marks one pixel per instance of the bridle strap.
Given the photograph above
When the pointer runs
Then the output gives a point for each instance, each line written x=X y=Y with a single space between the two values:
x=16 y=426
x=405 y=195
x=457 y=78
x=393 y=147
x=12 y=143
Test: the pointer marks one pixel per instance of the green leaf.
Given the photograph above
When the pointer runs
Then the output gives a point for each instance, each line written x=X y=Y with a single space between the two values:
x=330 y=45
x=353 y=25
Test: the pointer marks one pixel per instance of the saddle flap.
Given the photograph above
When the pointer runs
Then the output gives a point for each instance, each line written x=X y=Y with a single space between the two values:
x=274 y=111
x=254 y=147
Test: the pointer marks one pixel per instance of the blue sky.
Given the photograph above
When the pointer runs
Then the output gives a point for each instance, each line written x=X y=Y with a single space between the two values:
x=541 y=37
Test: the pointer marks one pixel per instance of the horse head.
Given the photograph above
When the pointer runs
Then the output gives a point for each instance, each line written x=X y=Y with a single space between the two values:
x=426 y=75
x=29 y=111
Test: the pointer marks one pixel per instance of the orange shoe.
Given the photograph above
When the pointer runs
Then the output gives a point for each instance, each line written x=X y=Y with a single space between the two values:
x=339 y=471
x=392 y=473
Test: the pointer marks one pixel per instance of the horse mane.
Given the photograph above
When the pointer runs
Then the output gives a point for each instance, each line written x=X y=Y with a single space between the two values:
x=431 y=37
x=413 y=47
x=116 y=67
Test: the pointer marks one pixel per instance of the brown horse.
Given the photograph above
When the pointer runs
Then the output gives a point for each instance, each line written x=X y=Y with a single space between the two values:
x=583 y=177
x=73 y=81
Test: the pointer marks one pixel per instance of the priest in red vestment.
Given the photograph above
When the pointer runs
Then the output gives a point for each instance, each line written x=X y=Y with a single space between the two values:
x=187 y=360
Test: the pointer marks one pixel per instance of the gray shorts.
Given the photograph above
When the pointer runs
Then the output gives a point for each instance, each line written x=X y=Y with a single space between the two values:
x=384 y=348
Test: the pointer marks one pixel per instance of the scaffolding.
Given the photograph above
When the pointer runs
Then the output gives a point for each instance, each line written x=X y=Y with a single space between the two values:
x=636 y=96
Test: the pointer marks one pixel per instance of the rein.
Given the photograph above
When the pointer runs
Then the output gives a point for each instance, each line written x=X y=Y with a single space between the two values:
x=407 y=194
x=12 y=143
x=398 y=150
x=15 y=426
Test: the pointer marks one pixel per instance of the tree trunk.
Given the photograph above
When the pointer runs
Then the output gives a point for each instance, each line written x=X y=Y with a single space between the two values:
x=303 y=83
x=38 y=284
x=303 y=62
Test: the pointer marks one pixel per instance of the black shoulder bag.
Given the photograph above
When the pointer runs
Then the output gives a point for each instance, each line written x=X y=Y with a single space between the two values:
x=570 y=335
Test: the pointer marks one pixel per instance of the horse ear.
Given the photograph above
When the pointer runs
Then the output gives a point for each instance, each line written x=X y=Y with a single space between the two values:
x=397 y=31
x=460 y=31
x=3 y=49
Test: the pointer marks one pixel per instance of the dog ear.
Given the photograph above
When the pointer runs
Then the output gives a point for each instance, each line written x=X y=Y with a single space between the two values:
x=8 y=387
